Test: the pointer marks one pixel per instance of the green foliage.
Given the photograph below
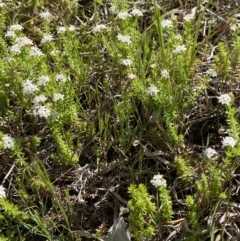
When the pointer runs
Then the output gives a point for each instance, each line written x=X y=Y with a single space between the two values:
x=142 y=211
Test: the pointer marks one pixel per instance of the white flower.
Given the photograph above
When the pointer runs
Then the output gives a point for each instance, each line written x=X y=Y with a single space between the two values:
x=10 y=34
x=152 y=90
x=47 y=38
x=38 y=99
x=124 y=38
x=61 y=29
x=179 y=49
x=113 y=9
x=127 y=62
x=15 y=49
x=228 y=141
x=35 y=51
x=8 y=142
x=158 y=181
x=61 y=78
x=71 y=28
x=43 y=79
x=41 y=111
x=211 y=73
x=188 y=17
x=99 y=27
x=234 y=27
x=224 y=99
x=136 y=12
x=29 y=87
x=57 y=96
x=165 y=74
x=209 y=152
x=123 y=15
x=2 y=192
x=167 y=23
x=45 y=15
x=132 y=76
x=2 y=4
x=16 y=27
x=23 y=41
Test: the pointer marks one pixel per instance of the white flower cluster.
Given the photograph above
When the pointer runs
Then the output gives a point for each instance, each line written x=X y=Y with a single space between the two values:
x=29 y=87
x=11 y=32
x=136 y=12
x=179 y=49
x=165 y=74
x=41 y=111
x=46 y=15
x=228 y=141
x=209 y=152
x=211 y=73
x=62 y=29
x=8 y=142
x=125 y=39
x=35 y=51
x=2 y=192
x=167 y=23
x=123 y=15
x=43 y=79
x=57 y=97
x=19 y=43
x=158 y=181
x=99 y=28
x=152 y=90
x=46 y=38
x=60 y=78
x=38 y=99
x=224 y=99
x=127 y=62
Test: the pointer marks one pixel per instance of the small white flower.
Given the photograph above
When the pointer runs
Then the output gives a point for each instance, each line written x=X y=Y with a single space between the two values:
x=152 y=90
x=158 y=181
x=43 y=79
x=165 y=74
x=45 y=15
x=8 y=142
x=23 y=41
x=127 y=62
x=99 y=28
x=29 y=87
x=71 y=28
x=136 y=143
x=188 y=17
x=228 y=141
x=15 y=49
x=38 y=99
x=61 y=78
x=179 y=49
x=113 y=9
x=234 y=27
x=153 y=66
x=123 y=15
x=2 y=4
x=16 y=27
x=41 y=111
x=124 y=38
x=209 y=152
x=10 y=34
x=224 y=99
x=35 y=51
x=132 y=76
x=47 y=38
x=57 y=97
x=61 y=29
x=211 y=73
x=136 y=12
x=2 y=192
x=167 y=23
